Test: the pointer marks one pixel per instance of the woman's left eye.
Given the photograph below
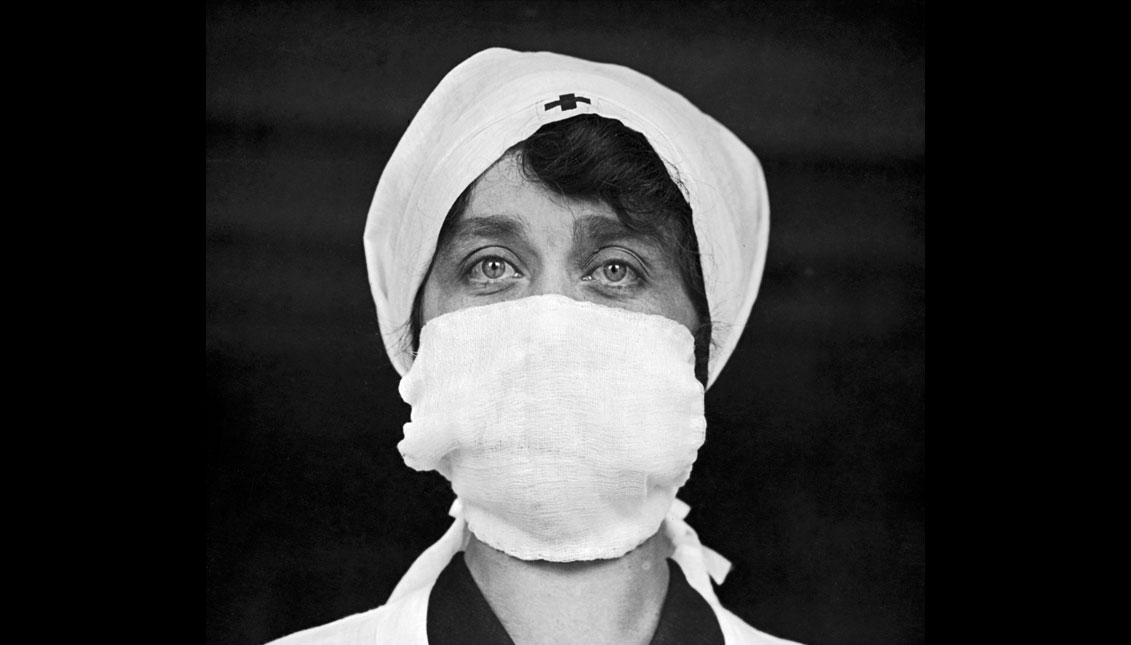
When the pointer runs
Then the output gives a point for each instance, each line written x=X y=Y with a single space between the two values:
x=614 y=273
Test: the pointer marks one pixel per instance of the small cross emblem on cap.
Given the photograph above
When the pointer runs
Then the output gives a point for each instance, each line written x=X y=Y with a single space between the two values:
x=567 y=102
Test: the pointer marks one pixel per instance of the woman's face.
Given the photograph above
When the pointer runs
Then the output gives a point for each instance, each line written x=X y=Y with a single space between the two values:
x=516 y=239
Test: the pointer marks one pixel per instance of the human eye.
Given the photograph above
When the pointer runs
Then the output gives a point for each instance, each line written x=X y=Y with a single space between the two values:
x=487 y=271
x=614 y=271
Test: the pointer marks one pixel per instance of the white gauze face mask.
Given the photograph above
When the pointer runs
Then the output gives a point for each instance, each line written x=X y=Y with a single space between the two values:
x=565 y=427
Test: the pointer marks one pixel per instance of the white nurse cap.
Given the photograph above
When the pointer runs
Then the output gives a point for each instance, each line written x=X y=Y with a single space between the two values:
x=498 y=98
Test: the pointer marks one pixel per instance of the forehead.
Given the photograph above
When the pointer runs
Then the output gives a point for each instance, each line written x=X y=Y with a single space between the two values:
x=504 y=203
x=504 y=190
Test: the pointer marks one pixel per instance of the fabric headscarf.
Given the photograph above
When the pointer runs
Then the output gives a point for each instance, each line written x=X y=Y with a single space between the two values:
x=498 y=98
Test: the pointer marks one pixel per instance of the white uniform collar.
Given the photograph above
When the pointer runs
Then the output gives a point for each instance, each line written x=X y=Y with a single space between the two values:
x=700 y=564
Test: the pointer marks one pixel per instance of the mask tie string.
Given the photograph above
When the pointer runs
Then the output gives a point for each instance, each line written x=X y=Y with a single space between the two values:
x=700 y=564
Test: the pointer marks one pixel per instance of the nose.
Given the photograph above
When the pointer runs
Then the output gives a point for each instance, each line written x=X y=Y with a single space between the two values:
x=556 y=279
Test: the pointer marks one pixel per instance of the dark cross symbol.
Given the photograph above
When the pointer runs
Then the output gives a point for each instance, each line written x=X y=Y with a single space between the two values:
x=567 y=102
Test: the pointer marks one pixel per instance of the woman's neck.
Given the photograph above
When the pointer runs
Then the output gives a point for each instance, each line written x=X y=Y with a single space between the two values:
x=597 y=601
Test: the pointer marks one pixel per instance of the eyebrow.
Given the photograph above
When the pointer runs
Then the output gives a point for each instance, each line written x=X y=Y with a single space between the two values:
x=490 y=226
x=588 y=230
x=605 y=230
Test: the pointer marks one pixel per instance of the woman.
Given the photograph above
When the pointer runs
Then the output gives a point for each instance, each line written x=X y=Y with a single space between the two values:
x=563 y=255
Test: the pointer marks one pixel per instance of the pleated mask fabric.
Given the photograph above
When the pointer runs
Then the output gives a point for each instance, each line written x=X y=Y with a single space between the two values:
x=498 y=98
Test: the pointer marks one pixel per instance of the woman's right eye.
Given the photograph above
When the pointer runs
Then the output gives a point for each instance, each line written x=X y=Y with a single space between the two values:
x=492 y=269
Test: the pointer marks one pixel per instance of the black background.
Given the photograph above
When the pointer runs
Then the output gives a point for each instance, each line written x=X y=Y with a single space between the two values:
x=812 y=477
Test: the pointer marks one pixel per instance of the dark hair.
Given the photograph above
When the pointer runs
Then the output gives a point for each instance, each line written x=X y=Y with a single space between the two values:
x=594 y=158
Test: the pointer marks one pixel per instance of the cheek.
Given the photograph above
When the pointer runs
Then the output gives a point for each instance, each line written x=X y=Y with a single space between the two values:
x=678 y=307
x=669 y=299
x=670 y=302
x=433 y=302
x=440 y=298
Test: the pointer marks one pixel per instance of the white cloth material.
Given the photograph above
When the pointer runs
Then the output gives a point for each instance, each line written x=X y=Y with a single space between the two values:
x=496 y=99
x=700 y=564
x=403 y=619
x=566 y=427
